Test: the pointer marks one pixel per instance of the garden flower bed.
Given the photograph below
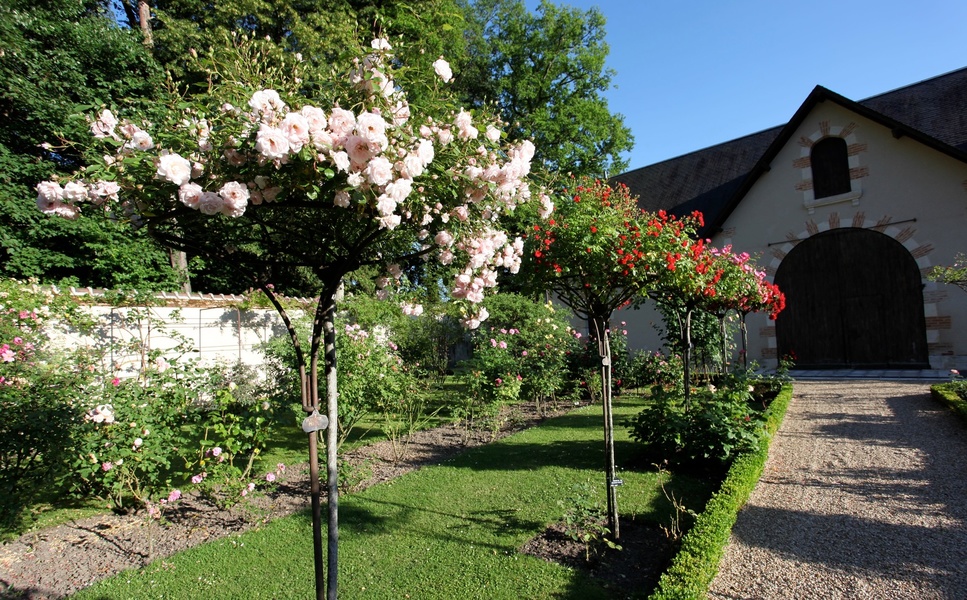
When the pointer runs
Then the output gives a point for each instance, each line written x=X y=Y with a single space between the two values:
x=51 y=563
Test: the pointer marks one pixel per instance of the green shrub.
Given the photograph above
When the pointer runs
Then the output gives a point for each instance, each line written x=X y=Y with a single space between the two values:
x=39 y=384
x=654 y=368
x=717 y=426
x=135 y=439
x=694 y=567
x=953 y=395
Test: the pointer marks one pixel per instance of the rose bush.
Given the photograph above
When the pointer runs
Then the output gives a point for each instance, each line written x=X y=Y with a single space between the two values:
x=39 y=393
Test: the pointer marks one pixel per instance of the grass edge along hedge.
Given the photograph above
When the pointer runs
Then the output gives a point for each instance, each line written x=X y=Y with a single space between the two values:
x=697 y=562
x=946 y=395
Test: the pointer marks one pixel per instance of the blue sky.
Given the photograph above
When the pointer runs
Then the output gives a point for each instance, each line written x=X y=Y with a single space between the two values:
x=691 y=74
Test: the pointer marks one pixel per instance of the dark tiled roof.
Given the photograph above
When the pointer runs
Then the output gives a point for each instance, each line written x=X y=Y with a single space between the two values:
x=669 y=183
x=706 y=179
x=937 y=107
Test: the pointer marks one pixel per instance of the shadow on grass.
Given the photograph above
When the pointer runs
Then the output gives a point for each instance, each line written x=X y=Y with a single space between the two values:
x=577 y=454
x=362 y=520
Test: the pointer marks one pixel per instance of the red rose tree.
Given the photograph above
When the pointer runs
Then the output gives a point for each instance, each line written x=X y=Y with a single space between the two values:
x=597 y=253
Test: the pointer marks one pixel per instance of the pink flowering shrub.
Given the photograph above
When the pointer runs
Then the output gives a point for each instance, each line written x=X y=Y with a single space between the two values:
x=133 y=445
x=39 y=387
x=374 y=380
x=518 y=355
x=234 y=431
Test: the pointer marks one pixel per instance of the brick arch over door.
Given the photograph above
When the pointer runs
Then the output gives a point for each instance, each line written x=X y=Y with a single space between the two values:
x=854 y=300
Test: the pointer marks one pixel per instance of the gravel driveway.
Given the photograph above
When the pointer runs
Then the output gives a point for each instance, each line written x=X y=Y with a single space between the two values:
x=864 y=496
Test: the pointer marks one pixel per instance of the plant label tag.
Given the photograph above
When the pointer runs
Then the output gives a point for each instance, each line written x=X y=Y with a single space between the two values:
x=315 y=422
x=616 y=482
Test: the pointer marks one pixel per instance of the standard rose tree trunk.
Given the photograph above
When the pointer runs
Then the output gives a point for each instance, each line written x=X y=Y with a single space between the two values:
x=601 y=331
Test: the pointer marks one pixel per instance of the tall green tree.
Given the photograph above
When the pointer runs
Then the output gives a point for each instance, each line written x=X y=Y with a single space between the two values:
x=56 y=55
x=321 y=31
x=546 y=74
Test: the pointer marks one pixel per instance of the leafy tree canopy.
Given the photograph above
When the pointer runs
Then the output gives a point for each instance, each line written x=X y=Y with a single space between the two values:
x=57 y=55
x=546 y=74
x=321 y=31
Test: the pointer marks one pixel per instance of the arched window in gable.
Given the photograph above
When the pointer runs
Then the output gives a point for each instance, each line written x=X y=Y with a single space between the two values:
x=830 y=165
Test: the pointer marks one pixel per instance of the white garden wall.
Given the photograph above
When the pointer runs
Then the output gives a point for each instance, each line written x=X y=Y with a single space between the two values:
x=213 y=328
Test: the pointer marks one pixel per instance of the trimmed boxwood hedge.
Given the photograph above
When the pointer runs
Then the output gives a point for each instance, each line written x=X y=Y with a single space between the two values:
x=946 y=393
x=693 y=568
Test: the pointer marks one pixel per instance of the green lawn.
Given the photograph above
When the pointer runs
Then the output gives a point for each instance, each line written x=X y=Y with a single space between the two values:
x=449 y=531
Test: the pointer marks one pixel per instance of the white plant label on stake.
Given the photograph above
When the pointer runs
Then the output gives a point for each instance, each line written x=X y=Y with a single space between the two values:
x=315 y=422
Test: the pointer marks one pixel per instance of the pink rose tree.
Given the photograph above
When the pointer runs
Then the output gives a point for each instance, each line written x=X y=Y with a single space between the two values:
x=275 y=167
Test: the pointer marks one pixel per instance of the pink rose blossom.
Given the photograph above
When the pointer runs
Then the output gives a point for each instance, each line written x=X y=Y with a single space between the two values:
x=272 y=143
x=443 y=238
x=464 y=124
x=372 y=128
x=103 y=190
x=379 y=171
x=189 y=194
x=210 y=203
x=173 y=168
x=235 y=196
x=295 y=128
x=399 y=189
x=107 y=466
x=341 y=124
x=174 y=496
x=359 y=151
x=75 y=191
x=49 y=193
x=442 y=69
x=266 y=102
x=270 y=477
x=390 y=222
x=104 y=125
x=385 y=205
x=140 y=140
x=445 y=136
x=315 y=119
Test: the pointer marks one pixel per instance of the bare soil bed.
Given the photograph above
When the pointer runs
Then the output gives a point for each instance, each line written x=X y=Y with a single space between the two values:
x=57 y=561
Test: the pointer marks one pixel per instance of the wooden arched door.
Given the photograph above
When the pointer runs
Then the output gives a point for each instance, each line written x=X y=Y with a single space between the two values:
x=854 y=299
